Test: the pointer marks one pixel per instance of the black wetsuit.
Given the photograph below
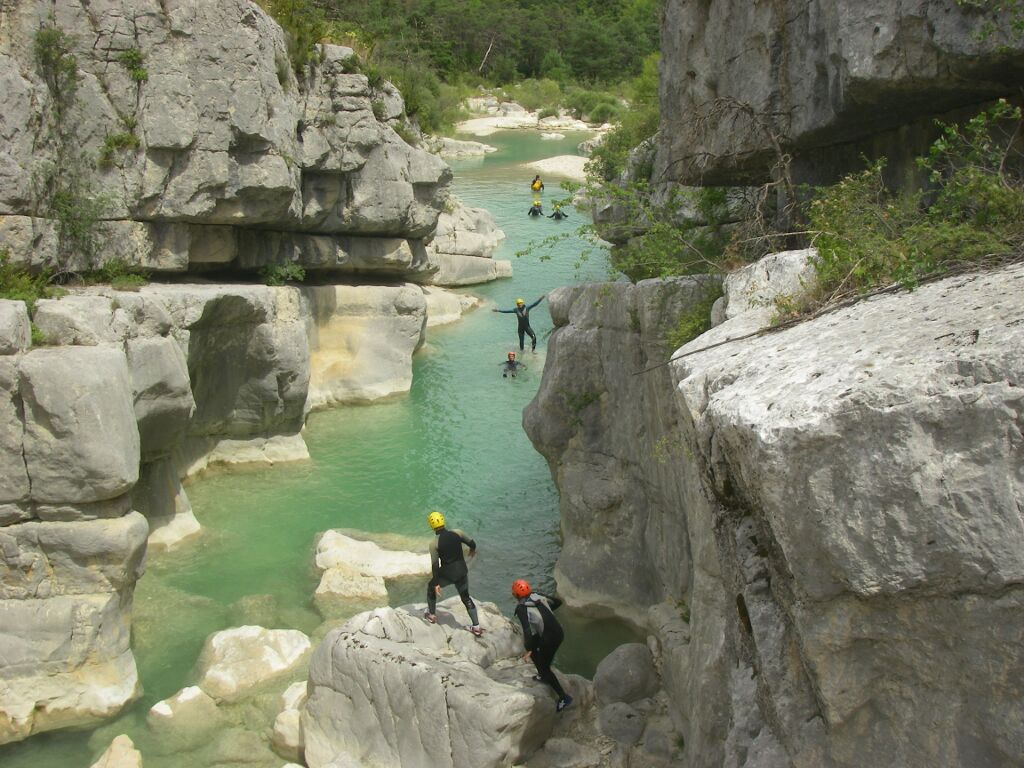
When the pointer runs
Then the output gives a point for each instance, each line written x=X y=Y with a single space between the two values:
x=449 y=567
x=558 y=215
x=523 y=315
x=542 y=634
x=511 y=366
x=535 y=210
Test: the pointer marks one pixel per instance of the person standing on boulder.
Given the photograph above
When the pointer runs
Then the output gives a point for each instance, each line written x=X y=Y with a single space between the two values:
x=542 y=634
x=448 y=566
x=522 y=313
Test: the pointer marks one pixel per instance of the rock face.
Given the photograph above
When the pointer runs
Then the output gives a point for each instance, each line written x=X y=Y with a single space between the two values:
x=382 y=672
x=831 y=80
x=463 y=245
x=120 y=754
x=71 y=549
x=841 y=560
x=203 y=132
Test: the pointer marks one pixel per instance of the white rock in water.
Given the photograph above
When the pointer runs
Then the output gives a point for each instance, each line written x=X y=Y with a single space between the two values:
x=384 y=671
x=365 y=557
x=294 y=695
x=552 y=136
x=445 y=307
x=286 y=738
x=120 y=754
x=568 y=166
x=342 y=582
x=235 y=661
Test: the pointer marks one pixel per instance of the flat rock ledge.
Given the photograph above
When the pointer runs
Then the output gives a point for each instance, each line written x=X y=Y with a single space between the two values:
x=353 y=572
x=387 y=689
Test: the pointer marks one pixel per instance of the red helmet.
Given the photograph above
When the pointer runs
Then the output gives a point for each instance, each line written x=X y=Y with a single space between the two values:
x=520 y=588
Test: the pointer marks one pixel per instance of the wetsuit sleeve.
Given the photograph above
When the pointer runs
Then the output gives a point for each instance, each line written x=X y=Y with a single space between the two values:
x=505 y=311
x=435 y=560
x=538 y=301
x=529 y=640
x=466 y=540
x=553 y=602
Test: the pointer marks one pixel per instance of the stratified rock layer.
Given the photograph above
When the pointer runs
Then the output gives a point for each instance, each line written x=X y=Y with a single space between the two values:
x=845 y=533
x=831 y=79
x=222 y=138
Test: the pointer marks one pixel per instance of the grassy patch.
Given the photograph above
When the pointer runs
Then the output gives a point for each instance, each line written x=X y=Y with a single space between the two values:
x=281 y=274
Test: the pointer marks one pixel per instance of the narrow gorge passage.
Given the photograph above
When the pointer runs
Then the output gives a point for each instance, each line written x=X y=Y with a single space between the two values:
x=455 y=443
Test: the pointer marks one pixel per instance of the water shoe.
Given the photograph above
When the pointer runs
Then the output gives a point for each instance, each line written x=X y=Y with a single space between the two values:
x=563 y=703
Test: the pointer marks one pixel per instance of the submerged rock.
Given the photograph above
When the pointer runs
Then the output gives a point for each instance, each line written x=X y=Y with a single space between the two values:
x=186 y=719
x=120 y=754
x=236 y=661
x=382 y=672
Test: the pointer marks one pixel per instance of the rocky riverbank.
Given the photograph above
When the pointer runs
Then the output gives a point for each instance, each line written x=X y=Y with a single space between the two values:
x=821 y=525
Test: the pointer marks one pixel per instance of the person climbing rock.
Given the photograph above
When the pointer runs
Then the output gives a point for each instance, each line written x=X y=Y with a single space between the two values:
x=537 y=185
x=522 y=313
x=535 y=209
x=448 y=567
x=511 y=365
x=558 y=214
x=542 y=634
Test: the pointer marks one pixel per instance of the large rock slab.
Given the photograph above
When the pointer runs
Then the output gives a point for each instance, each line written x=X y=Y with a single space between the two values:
x=65 y=622
x=81 y=439
x=828 y=79
x=867 y=479
x=334 y=549
x=385 y=669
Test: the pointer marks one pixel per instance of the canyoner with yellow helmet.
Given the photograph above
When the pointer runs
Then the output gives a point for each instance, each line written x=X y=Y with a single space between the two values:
x=522 y=313
x=558 y=214
x=542 y=635
x=536 y=209
x=448 y=567
x=537 y=185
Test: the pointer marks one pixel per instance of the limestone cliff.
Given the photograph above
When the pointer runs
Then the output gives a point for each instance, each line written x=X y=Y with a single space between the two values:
x=187 y=126
x=822 y=526
x=828 y=81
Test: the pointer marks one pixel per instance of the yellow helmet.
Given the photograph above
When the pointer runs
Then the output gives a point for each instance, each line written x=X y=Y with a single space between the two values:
x=520 y=301
x=435 y=520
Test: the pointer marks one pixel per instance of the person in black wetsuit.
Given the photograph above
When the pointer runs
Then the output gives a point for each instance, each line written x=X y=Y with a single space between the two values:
x=522 y=313
x=558 y=213
x=542 y=634
x=448 y=566
x=511 y=365
x=535 y=209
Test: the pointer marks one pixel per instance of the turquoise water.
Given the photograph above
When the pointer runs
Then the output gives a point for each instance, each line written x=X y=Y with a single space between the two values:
x=455 y=443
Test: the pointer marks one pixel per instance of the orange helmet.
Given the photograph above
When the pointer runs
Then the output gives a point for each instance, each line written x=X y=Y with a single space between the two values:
x=511 y=356
x=520 y=588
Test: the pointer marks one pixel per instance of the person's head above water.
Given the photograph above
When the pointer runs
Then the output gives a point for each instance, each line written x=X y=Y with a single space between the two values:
x=511 y=357
x=536 y=203
x=519 y=302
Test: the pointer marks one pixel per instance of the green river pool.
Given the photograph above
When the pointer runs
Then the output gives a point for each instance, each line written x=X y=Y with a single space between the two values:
x=455 y=443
